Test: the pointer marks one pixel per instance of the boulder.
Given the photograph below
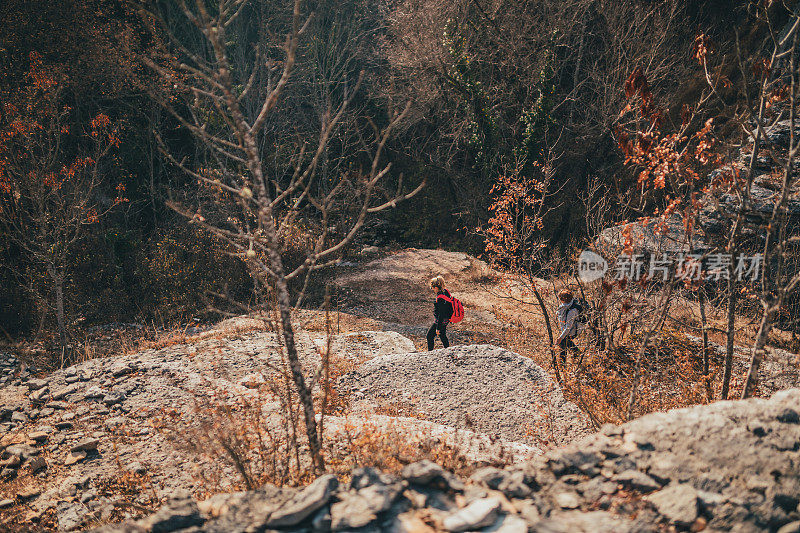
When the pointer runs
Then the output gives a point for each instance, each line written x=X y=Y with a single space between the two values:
x=488 y=389
x=480 y=513
x=677 y=502
x=305 y=503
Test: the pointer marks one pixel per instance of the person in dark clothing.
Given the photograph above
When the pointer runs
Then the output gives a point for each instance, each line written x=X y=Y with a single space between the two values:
x=442 y=311
x=567 y=318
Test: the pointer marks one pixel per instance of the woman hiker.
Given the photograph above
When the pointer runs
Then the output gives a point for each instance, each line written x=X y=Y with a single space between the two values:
x=442 y=311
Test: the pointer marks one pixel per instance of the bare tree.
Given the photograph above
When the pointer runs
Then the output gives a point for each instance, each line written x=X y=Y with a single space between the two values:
x=49 y=178
x=214 y=101
x=768 y=91
x=778 y=281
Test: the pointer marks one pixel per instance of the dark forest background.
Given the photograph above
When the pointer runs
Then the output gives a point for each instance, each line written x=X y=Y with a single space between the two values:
x=495 y=87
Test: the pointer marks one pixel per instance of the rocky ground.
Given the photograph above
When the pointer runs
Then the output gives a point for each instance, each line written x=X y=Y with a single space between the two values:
x=486 y=388
x=67 y=436
x=729 y=466
x=392 y=289
x=68 y=433
x=95 y=442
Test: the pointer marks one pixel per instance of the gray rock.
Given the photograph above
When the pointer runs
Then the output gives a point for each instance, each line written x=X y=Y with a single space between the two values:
x=305 y=503
x=114 y=397
x=36 y=384
x=75 y=457
x=490 y=476
x=70 y=515
x=39 y=395
x=23 y=451
x=480 y=513
x=508 y=524
x=94 y=392
x=637 y=481
x=792 y=527
x=364 y=477
x=179 y=514
x=136 y=467
x=86 y=445
x=66 y=391
x=121 y=369
x=567 y=500
x=677 y=502
x=512 y=484
x=36 y=464
x=12 y=461
x=358 y=508
x=422 y=472
x=380 y=497
x=353 y=511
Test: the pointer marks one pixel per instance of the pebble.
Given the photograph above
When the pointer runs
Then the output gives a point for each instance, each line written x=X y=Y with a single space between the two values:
x=86 y=445
x=75 y=457
x=476 y=515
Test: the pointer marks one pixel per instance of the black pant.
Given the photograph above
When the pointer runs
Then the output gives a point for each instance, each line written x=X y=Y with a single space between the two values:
x=564 y=345
x=442 y=335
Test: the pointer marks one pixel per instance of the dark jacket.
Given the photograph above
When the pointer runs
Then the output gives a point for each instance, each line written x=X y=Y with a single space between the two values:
x=442 y=309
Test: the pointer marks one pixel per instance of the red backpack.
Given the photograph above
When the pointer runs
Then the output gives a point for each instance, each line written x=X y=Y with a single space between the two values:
x=458 y=308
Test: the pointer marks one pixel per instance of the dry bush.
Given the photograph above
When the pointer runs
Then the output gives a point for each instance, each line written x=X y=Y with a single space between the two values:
x=599 y=381
x=390 y=447
x=484 y=275
x=333 y=401
x=255 y=437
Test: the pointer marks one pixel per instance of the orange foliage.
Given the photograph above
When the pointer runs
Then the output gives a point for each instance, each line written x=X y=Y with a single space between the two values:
x=33 y=140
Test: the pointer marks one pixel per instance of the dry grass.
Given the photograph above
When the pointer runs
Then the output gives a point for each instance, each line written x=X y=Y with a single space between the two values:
x=262 y=443
x=601 y=381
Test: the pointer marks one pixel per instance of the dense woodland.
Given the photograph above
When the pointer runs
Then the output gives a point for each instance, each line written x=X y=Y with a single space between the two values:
x=467 y=93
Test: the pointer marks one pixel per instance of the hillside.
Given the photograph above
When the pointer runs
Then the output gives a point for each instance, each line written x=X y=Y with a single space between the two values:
x=236 y=236
x=732 y=466
x=115 y=437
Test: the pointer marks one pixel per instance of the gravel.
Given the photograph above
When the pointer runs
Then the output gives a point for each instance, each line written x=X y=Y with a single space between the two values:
x=481 y=387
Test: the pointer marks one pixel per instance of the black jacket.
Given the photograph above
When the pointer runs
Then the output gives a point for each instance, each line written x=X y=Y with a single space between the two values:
x=442 y=309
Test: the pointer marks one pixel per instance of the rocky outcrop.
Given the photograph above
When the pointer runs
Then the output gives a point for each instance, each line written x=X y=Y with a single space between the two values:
x=729 y=466
x=482 y=387
x=69 y=432
x=721 y=206
x=655 y=236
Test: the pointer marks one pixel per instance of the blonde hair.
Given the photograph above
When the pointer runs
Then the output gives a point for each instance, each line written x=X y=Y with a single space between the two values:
x=437 y=283
x=565 y=295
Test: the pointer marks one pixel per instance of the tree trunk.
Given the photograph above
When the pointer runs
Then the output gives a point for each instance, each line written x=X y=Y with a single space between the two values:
x=637 y=373
x=57 y=277
x=285 y=309
x=759 y=349
x=706 y=377
x=726 y=377
x=546 y=316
